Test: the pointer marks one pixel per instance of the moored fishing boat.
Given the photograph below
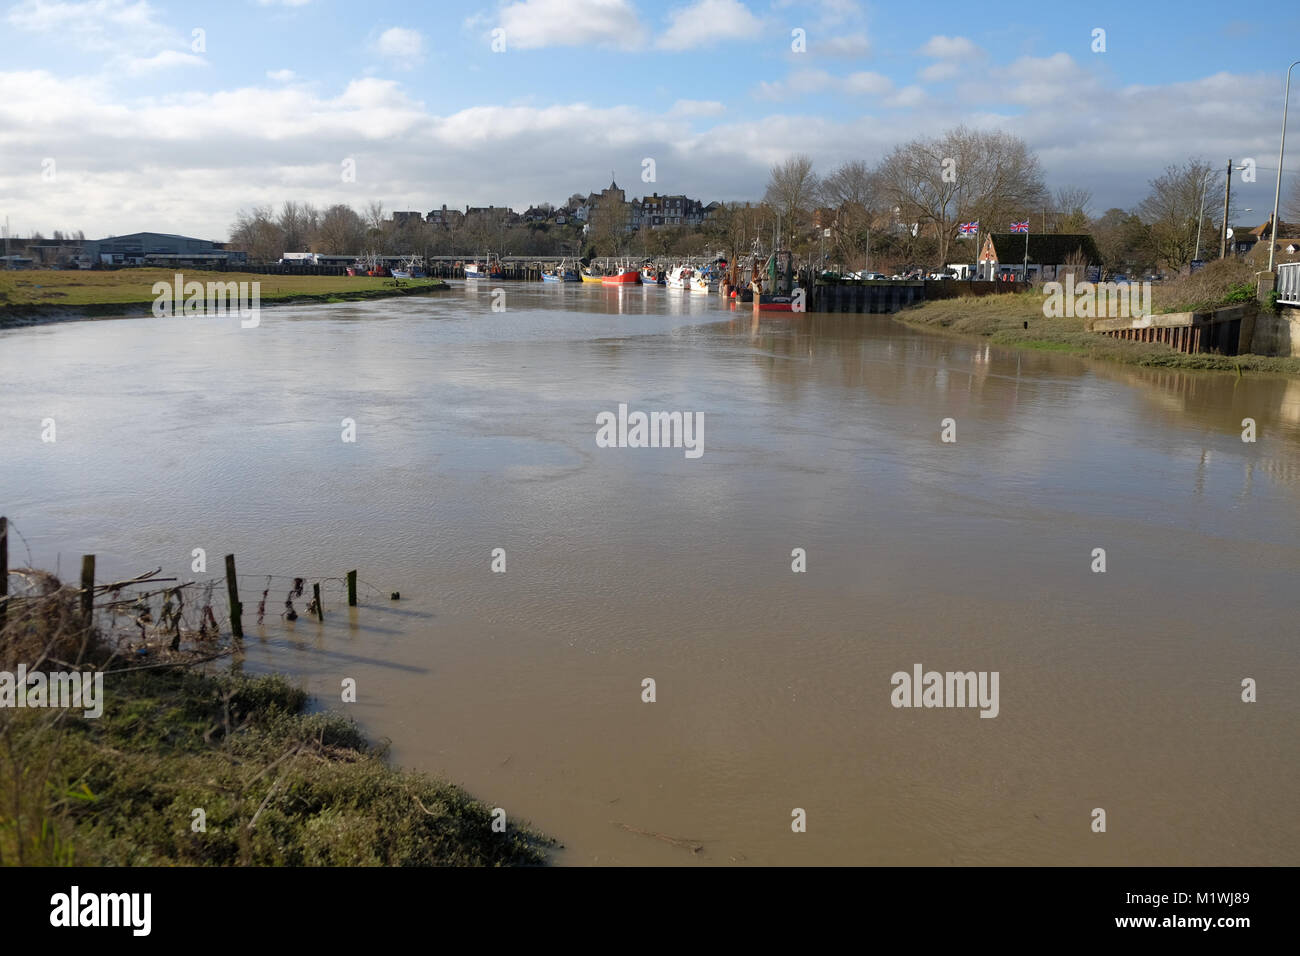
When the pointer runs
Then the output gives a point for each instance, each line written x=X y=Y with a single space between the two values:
x=490 y=268
x=622 y=277
x=412 y=268
x=784 y=297
x=561 y=273
x=679 y=277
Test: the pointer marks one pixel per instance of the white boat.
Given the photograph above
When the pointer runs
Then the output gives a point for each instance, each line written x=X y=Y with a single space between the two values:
x=699 y=282
x=679 y=277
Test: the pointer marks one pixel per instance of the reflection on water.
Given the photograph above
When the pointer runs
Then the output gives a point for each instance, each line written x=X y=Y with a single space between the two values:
x=475 y=430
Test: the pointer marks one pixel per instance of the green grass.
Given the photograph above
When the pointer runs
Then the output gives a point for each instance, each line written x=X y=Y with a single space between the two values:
x=277 y=786
x=1001 y=319
x=106 y=290
x=122 y=790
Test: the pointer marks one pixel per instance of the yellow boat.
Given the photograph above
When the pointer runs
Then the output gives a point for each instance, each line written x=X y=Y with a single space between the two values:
x=588 y=277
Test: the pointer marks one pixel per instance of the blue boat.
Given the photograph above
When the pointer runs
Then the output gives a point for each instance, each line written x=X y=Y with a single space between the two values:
x=561 y=274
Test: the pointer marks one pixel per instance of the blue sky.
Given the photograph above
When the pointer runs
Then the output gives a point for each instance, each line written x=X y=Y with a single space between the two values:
x=148 y=129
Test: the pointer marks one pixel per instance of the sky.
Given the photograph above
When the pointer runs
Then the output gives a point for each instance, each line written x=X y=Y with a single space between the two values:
x=119 y=116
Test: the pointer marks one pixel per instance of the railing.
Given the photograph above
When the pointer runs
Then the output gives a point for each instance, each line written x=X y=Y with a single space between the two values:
x=1288 y=283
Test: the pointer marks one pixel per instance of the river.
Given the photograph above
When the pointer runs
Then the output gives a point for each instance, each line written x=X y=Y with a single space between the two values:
x=475 y=430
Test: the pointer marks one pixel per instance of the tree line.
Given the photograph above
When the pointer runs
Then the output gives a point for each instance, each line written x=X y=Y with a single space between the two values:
x=902 y=212
x=908 y=208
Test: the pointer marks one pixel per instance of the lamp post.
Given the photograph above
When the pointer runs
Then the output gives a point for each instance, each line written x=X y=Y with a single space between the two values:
x=1277 y=193
x=1201 y=218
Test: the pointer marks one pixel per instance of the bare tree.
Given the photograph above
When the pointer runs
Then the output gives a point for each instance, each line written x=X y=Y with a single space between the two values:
x=964 y=175
x=1173 y=207
x=791 y=191
x=297 y=222
x=256 y=232
x=852 y=193
x=340 y=232
x=1070 y=210
x=608 y=233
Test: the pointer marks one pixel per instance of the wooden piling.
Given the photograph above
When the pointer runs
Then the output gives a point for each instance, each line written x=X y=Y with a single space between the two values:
x=4 y=569
x=87 y=588
x=352 y=589
x=232 y=589
x=315 y=592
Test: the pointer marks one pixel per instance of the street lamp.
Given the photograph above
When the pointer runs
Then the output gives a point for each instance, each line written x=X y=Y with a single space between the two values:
x=1201 y=218
x=1277 y=193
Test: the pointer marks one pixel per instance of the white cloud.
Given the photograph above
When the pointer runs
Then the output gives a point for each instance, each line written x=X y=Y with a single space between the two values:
x=100 y=25
x=187 y=161
x=1044 y=81
x=399 y=43
x=162 y=61
x=534 y=24
x=706 y=22
x=280 y=76
x=805 y=82
x=908 y=97
x=938 y=72
x=867 y=83
x=949 y=48
x=697 y=108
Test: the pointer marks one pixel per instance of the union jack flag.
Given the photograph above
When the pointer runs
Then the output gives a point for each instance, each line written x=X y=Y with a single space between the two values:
x=969 y=228
x=1020 y=226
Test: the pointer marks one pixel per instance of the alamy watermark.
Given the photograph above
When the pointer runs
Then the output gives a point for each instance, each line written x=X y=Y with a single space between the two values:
x=75 y=908
x=179 y=297
x=1096 y=300
x=58 y=689
x=651 y=430
x=950 y=689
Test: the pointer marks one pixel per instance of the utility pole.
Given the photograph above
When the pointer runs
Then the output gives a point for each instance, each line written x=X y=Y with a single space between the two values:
x=1227 y=193
x=1201 y=216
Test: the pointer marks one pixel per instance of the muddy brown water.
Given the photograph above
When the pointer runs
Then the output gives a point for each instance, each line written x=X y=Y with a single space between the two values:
x=475 y=430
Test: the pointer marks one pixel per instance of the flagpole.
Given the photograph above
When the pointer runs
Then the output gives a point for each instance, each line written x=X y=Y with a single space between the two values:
x=1026 y=275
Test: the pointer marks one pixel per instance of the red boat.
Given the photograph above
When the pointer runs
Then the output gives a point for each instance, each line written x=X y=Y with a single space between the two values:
x=626 y=277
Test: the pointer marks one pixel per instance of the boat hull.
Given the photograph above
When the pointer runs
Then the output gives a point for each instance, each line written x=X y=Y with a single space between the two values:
x=631 y=277
x=587 y=278
x=773 y=303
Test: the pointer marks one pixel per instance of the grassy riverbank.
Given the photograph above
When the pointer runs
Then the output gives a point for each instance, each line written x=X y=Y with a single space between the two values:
x=276 y=786
x=67 y=293
x=1017 y=320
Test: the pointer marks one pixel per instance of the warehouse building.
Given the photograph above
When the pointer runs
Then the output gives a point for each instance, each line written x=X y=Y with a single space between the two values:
x=158 y=248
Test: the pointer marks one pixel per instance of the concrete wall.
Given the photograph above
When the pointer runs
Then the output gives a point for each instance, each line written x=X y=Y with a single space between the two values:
x=1277 y=334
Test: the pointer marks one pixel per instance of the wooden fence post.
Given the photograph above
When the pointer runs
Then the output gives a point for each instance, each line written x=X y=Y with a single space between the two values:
x=87 y=589
x=315 y=592
x=352 y=588
x=232 y=588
